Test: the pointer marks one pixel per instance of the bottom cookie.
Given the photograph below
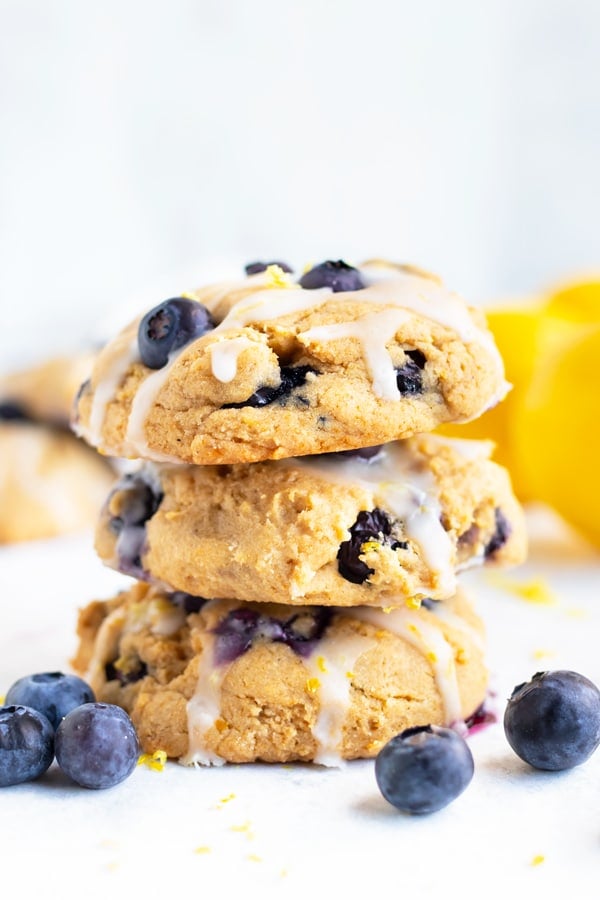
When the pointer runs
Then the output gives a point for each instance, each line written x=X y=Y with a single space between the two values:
x=213 y=681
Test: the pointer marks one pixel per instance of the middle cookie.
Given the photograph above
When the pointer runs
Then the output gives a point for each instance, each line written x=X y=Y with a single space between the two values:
x=372 y=527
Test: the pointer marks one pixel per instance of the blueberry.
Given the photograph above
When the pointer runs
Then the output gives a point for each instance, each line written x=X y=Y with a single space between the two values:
x=169 y=326
x=409 y=377
x=369 y=526
x=500 y=536
x=423 y=769
x=291 y=377
x=12 y=412
x=255 y=267
x=52 y=693
x=96 y=745
x=126 y=673
x=190 y=603
x=553 y=721
x=137 y=502
x=334 y=274
x=362 y=452
x=26 y=744
x=241 y=628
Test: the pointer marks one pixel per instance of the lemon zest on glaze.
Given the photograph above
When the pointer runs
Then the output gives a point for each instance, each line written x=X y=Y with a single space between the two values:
x=312 y=685
x=538 y=859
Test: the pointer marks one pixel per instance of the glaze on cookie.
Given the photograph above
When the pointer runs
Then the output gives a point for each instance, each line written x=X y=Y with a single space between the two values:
x=277 y=366
x=368 y=528
x=214 y=681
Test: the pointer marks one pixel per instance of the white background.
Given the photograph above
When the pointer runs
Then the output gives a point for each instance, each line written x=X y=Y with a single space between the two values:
x=146 y=145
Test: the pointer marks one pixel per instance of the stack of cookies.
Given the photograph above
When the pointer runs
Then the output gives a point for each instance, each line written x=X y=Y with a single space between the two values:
x=293 y=528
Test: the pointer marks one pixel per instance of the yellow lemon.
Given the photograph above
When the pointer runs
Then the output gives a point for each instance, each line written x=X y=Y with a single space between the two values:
x=515 y=332
x=557 y=423
x=577 y=301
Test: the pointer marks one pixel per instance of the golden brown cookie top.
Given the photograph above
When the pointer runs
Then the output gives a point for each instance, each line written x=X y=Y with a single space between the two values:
x=274 y=366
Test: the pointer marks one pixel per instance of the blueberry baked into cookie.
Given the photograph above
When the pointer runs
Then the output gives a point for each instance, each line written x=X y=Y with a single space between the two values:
x=374 y=527
x=281 y=365
x=210 y=681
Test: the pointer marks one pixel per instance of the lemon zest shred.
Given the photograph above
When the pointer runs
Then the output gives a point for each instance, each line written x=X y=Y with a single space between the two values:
x=538 y=859
x=155 y=761
x=312 y=685
x=370 y=545
x=542 y=653
x=321 y=664
x=203 y=850
x=276 y=277
x=535 y=590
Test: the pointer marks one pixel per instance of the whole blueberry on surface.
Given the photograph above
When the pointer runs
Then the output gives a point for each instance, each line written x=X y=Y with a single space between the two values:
x=96 y=745
x=169 y=326
x=334 y=274
x=553 y=721
x=423 y=769
x=54 y=694
x=26 y=744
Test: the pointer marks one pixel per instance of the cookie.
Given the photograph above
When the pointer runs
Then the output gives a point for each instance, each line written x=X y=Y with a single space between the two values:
x=51 y=483
x=215 y=681
x=276 y=367
x=45 y=392
x=342 y=529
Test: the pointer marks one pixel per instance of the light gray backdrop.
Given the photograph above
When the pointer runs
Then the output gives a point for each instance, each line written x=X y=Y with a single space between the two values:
x=147 y=145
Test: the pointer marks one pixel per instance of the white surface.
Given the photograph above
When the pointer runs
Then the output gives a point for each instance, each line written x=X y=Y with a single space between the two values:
x=303 y=830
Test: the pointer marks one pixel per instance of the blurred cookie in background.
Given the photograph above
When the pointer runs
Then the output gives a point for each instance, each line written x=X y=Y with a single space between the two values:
x=51 y=483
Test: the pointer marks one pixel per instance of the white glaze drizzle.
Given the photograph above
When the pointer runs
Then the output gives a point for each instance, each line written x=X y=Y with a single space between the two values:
x=224 y=356
x=135 y=444
x=107 y=388
x=410 y=495
x=374 y=331
x=409 y=292
x=105 y=645
x=331 y=669
x=430 y=641
x=203 y=707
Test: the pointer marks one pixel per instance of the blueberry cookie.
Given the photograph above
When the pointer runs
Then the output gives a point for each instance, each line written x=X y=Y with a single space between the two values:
x=277 y=366
x=45 y=392
x=50 y=482
x=370 y=527
x=213 y=681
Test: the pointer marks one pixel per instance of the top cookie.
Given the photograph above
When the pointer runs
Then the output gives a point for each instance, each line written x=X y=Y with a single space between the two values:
x=273 y=367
